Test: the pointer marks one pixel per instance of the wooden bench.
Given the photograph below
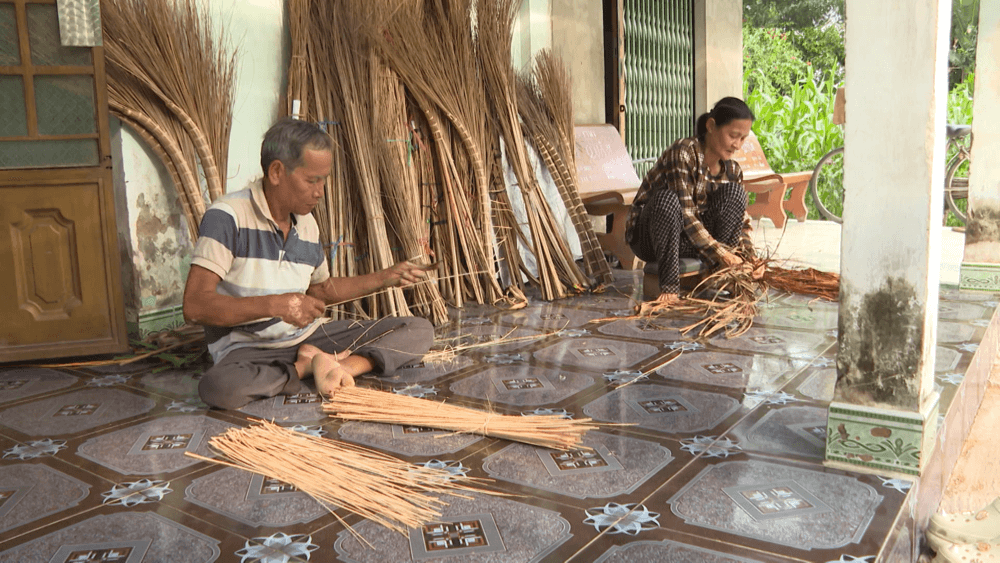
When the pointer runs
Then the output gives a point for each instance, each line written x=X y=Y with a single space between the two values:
x=758 y=178
x=607 y=185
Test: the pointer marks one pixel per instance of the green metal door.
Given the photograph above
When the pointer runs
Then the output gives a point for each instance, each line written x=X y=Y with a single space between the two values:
x=659 y=76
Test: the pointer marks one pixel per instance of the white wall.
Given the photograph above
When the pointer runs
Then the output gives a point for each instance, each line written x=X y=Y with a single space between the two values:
x=984 y=179
x=718 y=52
x=160 y=245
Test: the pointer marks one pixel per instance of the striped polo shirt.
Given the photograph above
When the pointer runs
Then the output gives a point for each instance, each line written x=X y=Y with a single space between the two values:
x=242 y=244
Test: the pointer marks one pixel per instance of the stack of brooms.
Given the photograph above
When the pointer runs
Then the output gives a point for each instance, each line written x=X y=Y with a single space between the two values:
x=373 y=485
x=419 y=94
x=171 y=81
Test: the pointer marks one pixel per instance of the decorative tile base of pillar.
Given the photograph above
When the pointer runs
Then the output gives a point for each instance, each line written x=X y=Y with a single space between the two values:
x=157 y=321
x=979 y=277
x=878 y=440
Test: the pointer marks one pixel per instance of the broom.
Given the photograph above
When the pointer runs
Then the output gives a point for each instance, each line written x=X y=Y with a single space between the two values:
x=369 y=405
x=373 y=485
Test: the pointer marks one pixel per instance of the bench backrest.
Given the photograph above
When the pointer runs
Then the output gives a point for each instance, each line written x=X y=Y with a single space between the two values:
x=604 y=165
x=751 y=158
x=602 y=162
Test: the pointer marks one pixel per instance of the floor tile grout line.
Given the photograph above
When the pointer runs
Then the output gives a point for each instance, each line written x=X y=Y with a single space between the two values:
x=696 y=458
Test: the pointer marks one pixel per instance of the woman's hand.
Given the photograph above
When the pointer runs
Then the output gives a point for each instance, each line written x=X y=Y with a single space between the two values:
x=730 y=260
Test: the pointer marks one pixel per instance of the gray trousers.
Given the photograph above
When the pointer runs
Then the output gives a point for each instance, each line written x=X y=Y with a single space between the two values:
x=248 y=374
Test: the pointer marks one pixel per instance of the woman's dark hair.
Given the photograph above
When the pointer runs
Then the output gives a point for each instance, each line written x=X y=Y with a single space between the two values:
x=725 y=110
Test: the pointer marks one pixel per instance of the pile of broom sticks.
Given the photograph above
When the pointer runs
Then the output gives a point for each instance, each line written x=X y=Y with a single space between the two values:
x=369 y=405
x=171 y=80
x=737 y=293
x=373 y=485
x=419 y=95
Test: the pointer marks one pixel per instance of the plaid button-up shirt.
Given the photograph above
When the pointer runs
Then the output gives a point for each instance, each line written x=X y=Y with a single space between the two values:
x=681 y=168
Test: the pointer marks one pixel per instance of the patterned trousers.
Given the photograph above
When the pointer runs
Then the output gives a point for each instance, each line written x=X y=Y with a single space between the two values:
x=660 y=235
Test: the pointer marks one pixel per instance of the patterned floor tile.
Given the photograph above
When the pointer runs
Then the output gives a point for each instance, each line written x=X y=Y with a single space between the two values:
x=607 y=466
x=19 y=383
x=522 y=385
x=74 y=412
x=786 y=505
x=731 y=370
x=32 y=491
x=596 y=354
x=663 y=408
x=156 y=447
x=480 y=528
x=714 y=456
x=122 y=536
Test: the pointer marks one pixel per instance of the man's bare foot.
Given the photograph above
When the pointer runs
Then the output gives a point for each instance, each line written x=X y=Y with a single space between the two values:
x=303 y=363
x=330 y=374
x=661 y=303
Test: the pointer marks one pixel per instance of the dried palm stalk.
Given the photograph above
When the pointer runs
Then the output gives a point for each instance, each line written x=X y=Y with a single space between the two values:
x=540 y=128
x=171 y=48
x=734 y=314
x=348 y=59
x=495 y=18
x=298 y=75
x=807 y=281
x=373 y=485
x=430 y=45
x=556 y=94
x=401 y=187
x=369 y=405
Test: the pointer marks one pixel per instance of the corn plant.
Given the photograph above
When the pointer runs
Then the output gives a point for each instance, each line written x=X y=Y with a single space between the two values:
x=797 y=129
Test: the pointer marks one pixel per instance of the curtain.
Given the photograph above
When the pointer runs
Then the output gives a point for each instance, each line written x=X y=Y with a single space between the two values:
x=79 y=22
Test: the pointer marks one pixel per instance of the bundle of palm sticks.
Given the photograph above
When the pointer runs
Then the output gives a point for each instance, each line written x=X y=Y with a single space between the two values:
x=370 y=405
x=386 y=490
x=737 y=290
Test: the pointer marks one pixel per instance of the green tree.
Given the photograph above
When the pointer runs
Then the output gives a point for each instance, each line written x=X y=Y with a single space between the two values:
x=964 y=34
x=792 y=14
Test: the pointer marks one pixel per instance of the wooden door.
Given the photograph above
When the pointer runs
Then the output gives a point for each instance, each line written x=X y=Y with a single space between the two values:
x=60 y=286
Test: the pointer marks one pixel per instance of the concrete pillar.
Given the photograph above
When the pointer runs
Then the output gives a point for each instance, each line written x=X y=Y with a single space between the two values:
x=884 y=412
x=981 y=264
x=718 y=52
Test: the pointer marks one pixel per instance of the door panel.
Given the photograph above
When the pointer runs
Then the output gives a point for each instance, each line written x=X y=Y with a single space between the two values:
x=59 y=280
x=59 y=262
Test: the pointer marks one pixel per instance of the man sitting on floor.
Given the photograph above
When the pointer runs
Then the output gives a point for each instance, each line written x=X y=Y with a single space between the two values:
x=260 y=283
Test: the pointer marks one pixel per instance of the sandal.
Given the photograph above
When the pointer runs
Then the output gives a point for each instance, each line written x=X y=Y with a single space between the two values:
x=968 y=527
x=981 y=552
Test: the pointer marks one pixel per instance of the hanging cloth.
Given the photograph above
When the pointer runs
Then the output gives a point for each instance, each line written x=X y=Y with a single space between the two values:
x=79 y=23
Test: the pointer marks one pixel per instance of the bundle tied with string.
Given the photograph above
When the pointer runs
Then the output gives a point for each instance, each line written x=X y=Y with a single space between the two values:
x=373 y=485
x=369 y=405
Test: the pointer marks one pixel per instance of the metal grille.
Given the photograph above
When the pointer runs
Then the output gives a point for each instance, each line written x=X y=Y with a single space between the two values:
x=659 y=77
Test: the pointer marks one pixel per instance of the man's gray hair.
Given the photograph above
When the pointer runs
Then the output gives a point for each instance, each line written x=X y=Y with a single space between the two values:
x=286 y=139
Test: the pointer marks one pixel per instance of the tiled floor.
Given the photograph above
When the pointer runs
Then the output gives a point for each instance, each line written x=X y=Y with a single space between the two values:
x=721 y=462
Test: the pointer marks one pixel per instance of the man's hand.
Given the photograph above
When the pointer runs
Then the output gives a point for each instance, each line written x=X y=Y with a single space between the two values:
x=297 y=308
x=405 y=273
